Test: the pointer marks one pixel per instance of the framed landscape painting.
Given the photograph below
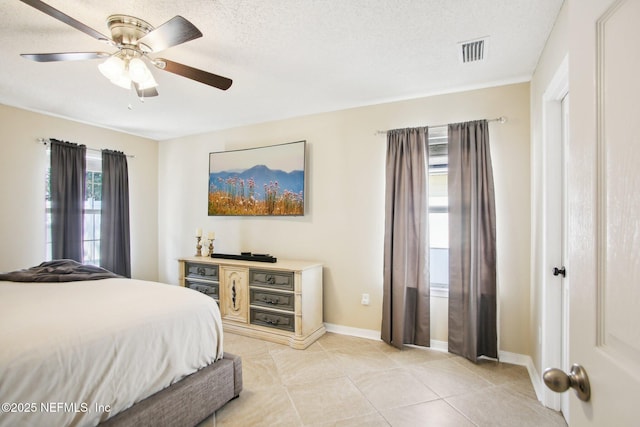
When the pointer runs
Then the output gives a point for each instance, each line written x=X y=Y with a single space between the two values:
x=263 y=181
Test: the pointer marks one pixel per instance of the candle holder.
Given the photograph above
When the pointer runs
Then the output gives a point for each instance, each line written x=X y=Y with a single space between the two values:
x=198 y=246
x=211 y=247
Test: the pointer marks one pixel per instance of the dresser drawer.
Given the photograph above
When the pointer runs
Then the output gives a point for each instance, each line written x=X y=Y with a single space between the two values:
x=209 y=289
x=202 y=271
x=271 y=319
x=271 y=279
x=278 y=300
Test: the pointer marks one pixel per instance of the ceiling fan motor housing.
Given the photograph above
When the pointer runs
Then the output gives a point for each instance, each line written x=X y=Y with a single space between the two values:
x=127 y=30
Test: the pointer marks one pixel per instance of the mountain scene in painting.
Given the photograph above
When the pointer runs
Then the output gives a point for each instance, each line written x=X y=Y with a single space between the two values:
x=258 y=190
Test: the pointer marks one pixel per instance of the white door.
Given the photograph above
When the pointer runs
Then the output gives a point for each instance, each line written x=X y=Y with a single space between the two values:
x=604 y=209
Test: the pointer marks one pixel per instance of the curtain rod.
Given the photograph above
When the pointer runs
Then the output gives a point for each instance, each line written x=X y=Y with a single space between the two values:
x=47 y=141
x=501 y=119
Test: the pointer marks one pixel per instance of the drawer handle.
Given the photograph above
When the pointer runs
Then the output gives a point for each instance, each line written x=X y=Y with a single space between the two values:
x=270 y=301
x=270 y=320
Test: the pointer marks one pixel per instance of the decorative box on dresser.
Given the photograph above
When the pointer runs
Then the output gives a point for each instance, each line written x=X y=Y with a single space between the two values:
x=279 y=302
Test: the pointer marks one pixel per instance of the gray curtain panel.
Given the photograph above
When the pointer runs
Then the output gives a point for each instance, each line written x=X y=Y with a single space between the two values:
x=67 y=180
x=472 y=243
x=405 y=304
x=115 y=253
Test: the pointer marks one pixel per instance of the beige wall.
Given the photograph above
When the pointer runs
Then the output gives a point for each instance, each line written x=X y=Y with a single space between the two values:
x=22 y=169
x=554 y=53
x=344 y=224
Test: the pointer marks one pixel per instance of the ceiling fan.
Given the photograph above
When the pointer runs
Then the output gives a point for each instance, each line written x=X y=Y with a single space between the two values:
x=135 y=39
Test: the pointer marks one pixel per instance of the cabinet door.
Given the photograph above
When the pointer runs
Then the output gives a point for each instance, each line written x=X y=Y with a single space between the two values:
x=234 y=294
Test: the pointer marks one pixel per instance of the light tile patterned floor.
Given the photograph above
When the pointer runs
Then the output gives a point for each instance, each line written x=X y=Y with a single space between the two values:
x=348 y=381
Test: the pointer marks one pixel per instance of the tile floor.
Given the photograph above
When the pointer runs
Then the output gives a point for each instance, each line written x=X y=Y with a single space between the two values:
x=347 y=381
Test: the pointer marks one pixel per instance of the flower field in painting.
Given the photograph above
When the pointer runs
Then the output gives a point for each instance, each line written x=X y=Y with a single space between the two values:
x=238 y=196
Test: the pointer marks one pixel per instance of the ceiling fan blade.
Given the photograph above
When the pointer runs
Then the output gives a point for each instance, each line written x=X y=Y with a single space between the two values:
x=175 y=31
x=193 y=73
x=145 y=93
x=64 y=56
x=55 y=13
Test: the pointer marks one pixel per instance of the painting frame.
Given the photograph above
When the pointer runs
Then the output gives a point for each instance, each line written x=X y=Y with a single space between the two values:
x=260 y=181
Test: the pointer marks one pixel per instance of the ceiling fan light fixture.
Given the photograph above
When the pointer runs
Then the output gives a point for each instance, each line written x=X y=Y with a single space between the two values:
x=122 y=80
x=148 y=82
x=112 y=68
x=121 y=72
x=138 y=71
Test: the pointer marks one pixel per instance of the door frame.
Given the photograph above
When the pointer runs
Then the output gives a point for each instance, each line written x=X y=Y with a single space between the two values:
x=554 y=304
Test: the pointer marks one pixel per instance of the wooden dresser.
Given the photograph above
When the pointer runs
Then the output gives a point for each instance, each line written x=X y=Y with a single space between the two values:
x=279 y=302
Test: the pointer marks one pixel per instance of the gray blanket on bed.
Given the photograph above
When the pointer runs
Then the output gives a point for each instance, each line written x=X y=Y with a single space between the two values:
x=59 y=270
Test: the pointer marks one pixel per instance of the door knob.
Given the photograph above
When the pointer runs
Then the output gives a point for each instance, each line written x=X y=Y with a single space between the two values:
x=561 y=270
x=560 y=382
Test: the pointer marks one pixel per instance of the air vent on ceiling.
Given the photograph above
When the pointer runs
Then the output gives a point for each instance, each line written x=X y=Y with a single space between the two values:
x=472 y=51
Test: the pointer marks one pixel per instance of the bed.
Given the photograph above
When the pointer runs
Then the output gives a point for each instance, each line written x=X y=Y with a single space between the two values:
x=80 y=346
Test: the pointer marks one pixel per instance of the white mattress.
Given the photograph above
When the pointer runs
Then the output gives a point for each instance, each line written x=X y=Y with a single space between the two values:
x=76 y=353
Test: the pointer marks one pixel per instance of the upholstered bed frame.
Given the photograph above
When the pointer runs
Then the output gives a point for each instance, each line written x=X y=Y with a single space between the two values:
x=105 y=345
x=189 y=401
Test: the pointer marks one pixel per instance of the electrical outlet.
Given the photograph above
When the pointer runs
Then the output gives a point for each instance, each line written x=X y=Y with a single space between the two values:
x=365 y=299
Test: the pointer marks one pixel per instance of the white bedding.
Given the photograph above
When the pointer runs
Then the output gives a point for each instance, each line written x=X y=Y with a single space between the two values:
x=76 y=353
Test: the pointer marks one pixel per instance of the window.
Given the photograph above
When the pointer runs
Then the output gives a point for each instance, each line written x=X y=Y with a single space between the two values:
x=438 y=209
x=92 y=209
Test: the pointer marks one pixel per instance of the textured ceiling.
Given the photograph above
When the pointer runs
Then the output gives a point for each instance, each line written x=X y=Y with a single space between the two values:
x=287 y=58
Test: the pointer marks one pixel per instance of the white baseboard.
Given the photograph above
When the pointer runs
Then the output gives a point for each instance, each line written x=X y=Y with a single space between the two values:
x=505 y=356
x=527 y=362
x=514 y=358
x=536 y=380
x=374 y=335
x=354 y=332
x=440 y=346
